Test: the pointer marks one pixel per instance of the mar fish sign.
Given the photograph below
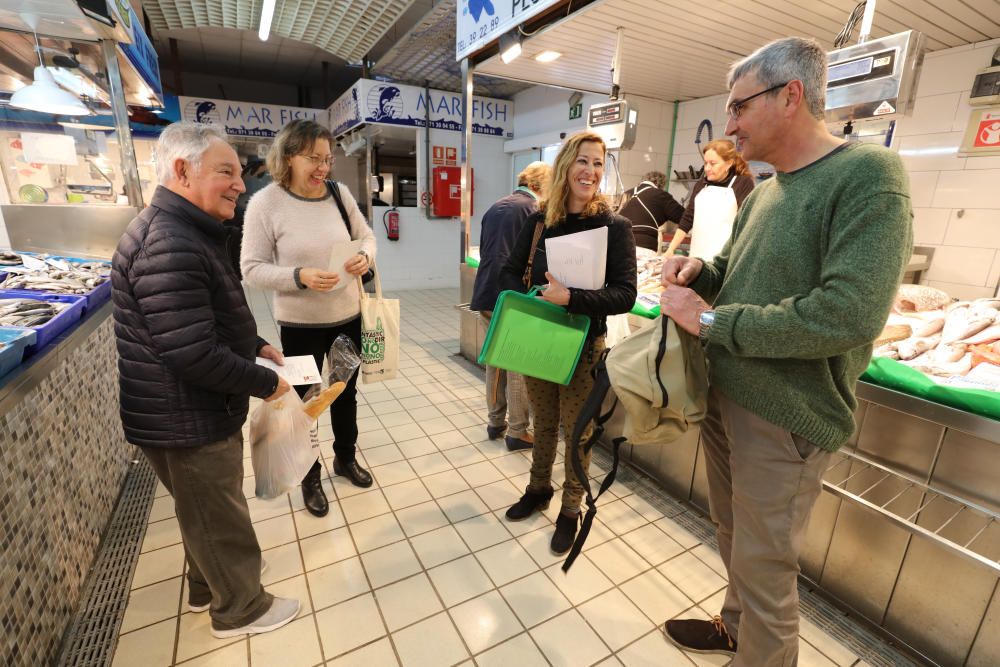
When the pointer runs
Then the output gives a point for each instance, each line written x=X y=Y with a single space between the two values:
x=481 y=22
x=245 y=119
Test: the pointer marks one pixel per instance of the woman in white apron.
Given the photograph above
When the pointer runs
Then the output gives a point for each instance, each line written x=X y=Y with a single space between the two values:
x=715 y=198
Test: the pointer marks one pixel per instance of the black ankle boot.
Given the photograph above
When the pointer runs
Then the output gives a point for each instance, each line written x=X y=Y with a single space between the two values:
x=529 y=502
x=566 y=526
x=352 y=471
x=312 y=492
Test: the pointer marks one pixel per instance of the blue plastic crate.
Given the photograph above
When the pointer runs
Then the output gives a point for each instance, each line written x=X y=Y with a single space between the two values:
x=14 y=342
x=48 y=331
x=95 y=298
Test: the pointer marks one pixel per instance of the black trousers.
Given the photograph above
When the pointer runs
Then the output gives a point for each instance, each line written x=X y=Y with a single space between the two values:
x=298 y=341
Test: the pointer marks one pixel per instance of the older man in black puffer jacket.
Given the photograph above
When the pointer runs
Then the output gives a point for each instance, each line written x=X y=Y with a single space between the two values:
x=186 y=344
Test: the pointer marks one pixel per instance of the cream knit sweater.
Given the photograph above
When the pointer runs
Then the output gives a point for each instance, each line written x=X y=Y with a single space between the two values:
x=283 y=232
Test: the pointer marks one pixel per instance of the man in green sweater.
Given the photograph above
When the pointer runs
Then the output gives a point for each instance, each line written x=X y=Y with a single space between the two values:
x=798 y=294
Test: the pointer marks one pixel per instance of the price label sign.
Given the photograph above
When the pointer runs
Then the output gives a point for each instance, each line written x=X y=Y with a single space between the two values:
x=479 y=23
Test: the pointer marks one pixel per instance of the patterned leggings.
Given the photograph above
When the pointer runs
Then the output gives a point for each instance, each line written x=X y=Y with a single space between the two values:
x=549 y=403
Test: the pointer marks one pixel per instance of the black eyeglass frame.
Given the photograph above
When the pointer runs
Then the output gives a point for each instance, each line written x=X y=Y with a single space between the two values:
x=735 y=109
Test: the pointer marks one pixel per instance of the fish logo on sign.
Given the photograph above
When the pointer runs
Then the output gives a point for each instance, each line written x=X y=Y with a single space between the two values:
x=385 y=102
x=477 y=7
x=203 y=111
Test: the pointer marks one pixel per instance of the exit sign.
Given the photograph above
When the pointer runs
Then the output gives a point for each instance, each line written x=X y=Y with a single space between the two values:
x=576 y=111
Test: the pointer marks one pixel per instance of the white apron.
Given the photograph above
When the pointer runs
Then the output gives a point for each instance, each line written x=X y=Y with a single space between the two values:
x=714 y=212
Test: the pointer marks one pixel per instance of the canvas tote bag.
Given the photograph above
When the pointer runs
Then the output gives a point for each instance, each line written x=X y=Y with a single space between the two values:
x=379 y=335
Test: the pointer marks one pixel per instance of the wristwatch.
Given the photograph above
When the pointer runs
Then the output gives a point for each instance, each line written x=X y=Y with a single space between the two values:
x=705 y=322
x=365 y=255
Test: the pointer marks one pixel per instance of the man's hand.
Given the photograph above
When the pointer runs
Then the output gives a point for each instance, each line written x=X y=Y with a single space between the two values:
x=274 y=354
x=357 y=265
x=683 y=306
x=282 y=389
x=555 y=292
x=679 y=270
x=318 y=279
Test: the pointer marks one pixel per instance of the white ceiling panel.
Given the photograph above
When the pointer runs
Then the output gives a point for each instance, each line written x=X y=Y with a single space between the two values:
x=682 y=49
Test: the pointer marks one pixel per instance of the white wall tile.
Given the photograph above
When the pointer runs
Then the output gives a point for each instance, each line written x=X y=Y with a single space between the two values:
x=946 y=72
x=967 y=266
x=930 y=225
x=934 y=113
x=983 y=162
x=931 y=152
x=960 y=290
x=993 y=281
x=974 y=188
x=961 y=119
x=922 y=184
x=977 y=228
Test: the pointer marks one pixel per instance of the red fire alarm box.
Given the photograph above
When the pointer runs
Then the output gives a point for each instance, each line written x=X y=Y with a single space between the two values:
x=447 y=190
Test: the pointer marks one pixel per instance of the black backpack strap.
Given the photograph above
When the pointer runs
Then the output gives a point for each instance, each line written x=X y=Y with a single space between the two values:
x=660 y=353
x=576 y=450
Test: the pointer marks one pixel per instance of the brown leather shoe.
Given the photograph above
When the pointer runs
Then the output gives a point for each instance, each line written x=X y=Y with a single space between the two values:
x=700 y=636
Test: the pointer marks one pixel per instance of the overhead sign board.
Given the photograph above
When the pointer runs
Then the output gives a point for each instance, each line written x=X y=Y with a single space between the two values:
x=481 y=22
x=383 y=103
x=245 y=119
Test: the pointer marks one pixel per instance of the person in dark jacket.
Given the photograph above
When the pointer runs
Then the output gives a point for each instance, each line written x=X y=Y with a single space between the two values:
x=506 y=394
x=574 y=204
x=186 y=346
x=648 y=207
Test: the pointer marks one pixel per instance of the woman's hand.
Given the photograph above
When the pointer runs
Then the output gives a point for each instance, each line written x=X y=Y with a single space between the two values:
x=274 y=354
x=357 y=265
x=318 y=279
x=555 y=292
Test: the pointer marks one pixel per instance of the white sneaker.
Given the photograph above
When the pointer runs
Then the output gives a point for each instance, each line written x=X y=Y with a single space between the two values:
x=204 y=607
x=282 y=612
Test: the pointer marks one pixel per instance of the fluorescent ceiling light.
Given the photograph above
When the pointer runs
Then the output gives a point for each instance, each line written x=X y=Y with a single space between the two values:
x=45 y=95
x=547 y=56
x=510 y=46
x=81 y=125
x=266 y=14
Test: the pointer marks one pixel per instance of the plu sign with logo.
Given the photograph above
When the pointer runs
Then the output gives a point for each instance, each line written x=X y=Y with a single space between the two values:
x=479 y=23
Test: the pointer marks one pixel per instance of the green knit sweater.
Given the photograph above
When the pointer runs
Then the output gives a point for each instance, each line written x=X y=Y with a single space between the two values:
x=805 y=285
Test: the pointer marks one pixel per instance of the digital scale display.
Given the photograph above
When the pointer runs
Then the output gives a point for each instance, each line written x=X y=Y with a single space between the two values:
x=606 y=114
x=849 y=70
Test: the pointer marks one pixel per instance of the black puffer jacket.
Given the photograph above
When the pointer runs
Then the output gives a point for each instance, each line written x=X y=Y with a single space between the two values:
x=619 y=291
x=186 y=337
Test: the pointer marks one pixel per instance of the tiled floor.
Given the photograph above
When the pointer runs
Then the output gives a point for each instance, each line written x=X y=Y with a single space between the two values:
x=423 y=569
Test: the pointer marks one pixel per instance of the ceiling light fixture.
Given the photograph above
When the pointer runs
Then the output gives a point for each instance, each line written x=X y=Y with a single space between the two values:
x=510 y=46
x=547 y=56
x=44 y=94
x=266 y=14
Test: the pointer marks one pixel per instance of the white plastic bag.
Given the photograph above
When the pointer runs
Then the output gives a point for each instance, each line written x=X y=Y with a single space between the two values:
x=280 y=447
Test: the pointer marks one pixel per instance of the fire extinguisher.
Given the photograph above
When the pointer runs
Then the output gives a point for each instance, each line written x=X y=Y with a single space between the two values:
x=390 y=220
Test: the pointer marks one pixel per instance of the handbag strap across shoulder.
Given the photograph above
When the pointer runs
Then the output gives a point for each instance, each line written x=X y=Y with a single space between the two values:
x=526 y=278
x=334 y=189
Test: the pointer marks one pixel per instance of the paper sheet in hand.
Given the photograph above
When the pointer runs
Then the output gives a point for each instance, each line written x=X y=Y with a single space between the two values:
x=579 y=260
x=297 y=370
x=338 y=257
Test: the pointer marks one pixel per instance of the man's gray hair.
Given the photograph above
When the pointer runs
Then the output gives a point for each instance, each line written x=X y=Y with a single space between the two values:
x=784 y=60
x=187 y=141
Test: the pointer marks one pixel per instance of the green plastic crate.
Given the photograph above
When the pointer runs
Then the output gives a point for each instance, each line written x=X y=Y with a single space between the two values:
x=534 y=337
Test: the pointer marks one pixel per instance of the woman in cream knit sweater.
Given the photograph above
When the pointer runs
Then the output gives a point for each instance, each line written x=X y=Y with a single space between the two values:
x=290 y=231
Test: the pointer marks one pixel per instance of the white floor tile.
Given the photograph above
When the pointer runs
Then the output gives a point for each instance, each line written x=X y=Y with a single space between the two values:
x=431 y=464
x=385 y=407
x=679 y=534
x=464 y=455
x=154 y=566
x=641 y=505
x=325 y=548
x=519 y=651
x=653 y=650
x=393 y=473
x=389 y=564
x=194 y=637
x=268 y=509
x=374 y=439
x=406 y=494
x=295 y=645
x=421 y=518
x=617 y=560
x=414 y=401
x=536 y=543
x=583 y=582
x=153 y=646
x=152 y=604
x=485 y=621
x=295 y=588
x=445 y=483
x=392 y=419
x=439 y=546
x=621 y=518
x=411 y=449
x=711 y=558
x=567 y=641
x=615 y=619
x=482 y=531
x=364 y=506
x=335 y=583
x=377 y=532
x=377 y=456
x=408 y=601
x=659 y=599
x=308 y=525
x=449 y=440
x=460 y=580
x=163 y=508
x=376 y=654
x=430 y=643
x=506 y=562
x=161 y=534
x=535 y=599
x=697 y=580
x=234 y=655
x=275 y=532
x=652 y=544
x=349 y=625
x=512 y=465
